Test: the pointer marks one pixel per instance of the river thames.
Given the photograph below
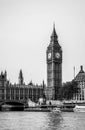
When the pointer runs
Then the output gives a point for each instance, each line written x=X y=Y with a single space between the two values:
x=42 y=121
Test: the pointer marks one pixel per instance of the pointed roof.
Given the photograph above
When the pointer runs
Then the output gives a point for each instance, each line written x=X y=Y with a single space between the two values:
x=54 y=41
x=81 y=75
x=21 y=79
x=31 y=83
x=21 y=75
x=54 y=35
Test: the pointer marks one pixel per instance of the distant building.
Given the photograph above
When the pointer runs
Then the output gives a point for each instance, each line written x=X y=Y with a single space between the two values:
x=20 y=91
x=54 y=67
x=80 y=79
x=21 y=79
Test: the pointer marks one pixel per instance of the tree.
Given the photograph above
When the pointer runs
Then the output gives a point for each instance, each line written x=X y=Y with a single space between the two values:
x=68 y=90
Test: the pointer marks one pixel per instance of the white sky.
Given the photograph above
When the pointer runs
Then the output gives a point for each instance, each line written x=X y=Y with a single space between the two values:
x=25 y=30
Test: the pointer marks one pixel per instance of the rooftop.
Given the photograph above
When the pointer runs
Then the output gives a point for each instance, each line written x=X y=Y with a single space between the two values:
x=81 y=75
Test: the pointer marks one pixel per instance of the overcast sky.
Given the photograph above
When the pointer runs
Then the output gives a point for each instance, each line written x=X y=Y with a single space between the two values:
x=25 y=30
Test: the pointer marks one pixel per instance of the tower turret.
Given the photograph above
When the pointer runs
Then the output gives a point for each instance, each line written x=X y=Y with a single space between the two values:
x=5 y=74
x=21 y=79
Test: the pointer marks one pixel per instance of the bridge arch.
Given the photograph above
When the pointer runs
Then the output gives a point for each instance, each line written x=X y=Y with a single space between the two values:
x=14 y=103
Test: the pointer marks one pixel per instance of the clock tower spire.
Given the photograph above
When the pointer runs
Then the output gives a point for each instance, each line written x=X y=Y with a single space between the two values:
x=54 y=67
x=54 y=35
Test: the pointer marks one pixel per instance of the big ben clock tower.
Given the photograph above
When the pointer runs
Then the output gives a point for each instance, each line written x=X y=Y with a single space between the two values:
x=54 y=67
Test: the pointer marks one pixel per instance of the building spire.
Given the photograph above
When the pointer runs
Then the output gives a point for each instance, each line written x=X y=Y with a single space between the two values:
x=21 y=79
x=74 y=71
x=53 y=25
x=81 y=69
x=54 y=35
x=5 y=73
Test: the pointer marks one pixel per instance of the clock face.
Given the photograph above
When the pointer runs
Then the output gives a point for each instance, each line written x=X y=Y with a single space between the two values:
x=57 y=55
x=49 y=55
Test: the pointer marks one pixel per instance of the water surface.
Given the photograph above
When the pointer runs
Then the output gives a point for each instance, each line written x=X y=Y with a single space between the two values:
x=42 y=121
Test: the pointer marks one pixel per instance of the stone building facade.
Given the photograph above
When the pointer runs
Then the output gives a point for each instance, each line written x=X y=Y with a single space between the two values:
x=80 y=79
x=20 y=91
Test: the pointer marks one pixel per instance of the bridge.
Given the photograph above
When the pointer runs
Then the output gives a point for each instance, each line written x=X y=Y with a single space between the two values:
x=14 y=103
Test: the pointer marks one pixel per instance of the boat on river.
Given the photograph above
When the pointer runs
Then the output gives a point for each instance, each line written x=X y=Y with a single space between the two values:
x=37 y=109
x=79 y=108
x=56 y=110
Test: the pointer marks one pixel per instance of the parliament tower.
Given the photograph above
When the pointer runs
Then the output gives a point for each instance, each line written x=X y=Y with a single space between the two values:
x=54 y=67
x=21 y=79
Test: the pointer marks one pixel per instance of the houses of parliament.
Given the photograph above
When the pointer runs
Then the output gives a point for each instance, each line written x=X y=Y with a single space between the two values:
x=22 y=92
